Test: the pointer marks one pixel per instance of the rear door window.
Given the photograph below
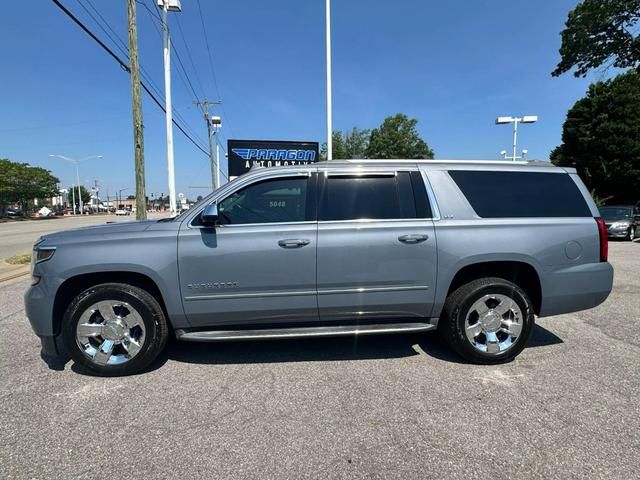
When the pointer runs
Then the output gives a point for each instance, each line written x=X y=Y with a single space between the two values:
x=360 y=197
x=521 y=194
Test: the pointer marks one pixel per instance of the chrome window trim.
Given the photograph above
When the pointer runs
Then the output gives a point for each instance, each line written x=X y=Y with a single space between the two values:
x=335 y=172
x=375 y=220
x=435 y=210
x=224 y=193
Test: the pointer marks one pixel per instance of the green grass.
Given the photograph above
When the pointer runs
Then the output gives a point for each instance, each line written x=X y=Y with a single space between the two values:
x=22 y=259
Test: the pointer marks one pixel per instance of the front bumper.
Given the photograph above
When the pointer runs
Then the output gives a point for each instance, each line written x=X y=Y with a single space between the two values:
x=38 y=304
x=54 y=352
x=617 y=233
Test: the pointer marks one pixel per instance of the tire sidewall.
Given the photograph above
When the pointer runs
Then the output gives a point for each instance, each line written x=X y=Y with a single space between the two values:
x=150 y=314
x=459 y=322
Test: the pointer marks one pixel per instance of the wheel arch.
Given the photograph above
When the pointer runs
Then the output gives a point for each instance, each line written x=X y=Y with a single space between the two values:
x=523 y=274
x=72 y=286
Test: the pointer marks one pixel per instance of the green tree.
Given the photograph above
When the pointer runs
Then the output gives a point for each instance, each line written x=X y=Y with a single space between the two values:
x=21 y=183
x=600 y=32
x=351 y=144
x=397 y=137
x=84 y=193
x=601 y=138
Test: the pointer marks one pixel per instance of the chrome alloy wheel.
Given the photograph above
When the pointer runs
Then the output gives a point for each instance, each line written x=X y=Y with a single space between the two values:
x=110 y=332
x=493 y=323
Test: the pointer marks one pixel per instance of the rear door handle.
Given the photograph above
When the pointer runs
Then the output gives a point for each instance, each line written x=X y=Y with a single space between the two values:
x=294 y=242
x=413 y=238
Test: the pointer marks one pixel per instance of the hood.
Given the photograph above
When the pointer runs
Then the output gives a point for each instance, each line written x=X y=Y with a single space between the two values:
x=104 y=230
x=616 y=219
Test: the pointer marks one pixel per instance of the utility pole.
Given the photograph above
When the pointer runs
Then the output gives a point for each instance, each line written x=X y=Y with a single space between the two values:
x=205 y=103
x=138 y=137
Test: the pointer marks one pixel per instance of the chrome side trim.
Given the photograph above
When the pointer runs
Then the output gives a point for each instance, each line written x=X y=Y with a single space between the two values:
x=324 y=291
x=223 y=296
x=333 y=291
x=302 y=332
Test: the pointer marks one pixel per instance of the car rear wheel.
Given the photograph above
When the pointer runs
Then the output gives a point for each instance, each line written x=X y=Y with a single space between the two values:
x=115 y=329
x=487 y=321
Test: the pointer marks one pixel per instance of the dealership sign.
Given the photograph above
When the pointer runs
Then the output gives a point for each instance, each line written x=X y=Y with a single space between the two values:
x=244 y=154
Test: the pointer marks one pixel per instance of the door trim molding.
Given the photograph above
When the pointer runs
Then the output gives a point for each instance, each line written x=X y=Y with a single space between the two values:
x=324 y=291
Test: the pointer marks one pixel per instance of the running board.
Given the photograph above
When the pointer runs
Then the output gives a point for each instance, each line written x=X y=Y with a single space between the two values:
x=302 y=332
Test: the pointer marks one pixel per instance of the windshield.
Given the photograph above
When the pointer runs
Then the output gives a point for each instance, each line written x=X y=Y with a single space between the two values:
x=615 y=212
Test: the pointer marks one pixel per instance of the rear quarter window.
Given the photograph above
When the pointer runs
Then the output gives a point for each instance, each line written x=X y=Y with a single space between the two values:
x=521 y=194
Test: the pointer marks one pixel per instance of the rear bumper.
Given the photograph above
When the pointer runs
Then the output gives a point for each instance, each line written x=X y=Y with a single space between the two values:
x=576 y=288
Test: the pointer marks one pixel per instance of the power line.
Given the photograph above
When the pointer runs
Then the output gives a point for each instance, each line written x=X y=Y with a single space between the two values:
x=124 y=50
x=125 y=67
x=213 y=73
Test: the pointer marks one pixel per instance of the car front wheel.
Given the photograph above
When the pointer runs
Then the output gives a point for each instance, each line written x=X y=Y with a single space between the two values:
x=487 y=321
x=115 y=329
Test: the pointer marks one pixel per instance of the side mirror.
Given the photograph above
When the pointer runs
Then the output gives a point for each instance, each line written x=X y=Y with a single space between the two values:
x=209 y=215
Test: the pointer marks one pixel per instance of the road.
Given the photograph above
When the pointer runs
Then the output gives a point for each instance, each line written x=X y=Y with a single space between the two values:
x=378 y=408
x=19 y=236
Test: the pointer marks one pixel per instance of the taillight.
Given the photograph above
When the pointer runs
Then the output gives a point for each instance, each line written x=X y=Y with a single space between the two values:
x=604 y=239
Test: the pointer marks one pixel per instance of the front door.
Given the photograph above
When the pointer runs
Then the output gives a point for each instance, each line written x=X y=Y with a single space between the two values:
x=376 y=246
x=257 y=265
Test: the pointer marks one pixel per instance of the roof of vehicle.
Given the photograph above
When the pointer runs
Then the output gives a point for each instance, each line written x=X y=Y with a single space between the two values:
x=617 y=206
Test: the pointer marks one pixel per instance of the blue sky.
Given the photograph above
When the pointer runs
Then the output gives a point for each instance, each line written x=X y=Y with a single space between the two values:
x=453 y=65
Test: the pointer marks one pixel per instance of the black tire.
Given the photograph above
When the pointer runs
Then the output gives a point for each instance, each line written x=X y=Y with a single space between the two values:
x=453 y=320
x=631 y=234
x=155 y=323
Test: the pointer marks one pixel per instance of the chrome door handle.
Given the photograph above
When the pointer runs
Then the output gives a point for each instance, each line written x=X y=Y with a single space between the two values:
x=294 y=242
x=414 y=238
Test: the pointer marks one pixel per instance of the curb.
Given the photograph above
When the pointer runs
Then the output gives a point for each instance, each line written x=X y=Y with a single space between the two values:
x=10 y=274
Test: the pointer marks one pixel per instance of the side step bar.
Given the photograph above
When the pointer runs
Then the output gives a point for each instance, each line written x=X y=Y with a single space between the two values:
x=302 y=332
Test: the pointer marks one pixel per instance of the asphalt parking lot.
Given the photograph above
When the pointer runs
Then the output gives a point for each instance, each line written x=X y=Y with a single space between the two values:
x=379 y=407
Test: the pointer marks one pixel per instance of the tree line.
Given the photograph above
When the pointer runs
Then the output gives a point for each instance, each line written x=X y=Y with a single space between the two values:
x=21 y=183
x=396 y=137
x=601 y=134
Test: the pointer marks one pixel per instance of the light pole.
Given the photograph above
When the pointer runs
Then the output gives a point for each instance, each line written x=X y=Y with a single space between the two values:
x=76 y=163
x=216 y=125
x=329 y=114
x=120 y=197
x=169 y=6
x=516 y=121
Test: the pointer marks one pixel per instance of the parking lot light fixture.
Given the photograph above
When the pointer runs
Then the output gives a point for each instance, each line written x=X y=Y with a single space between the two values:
x=76 y=163
x=516 y=121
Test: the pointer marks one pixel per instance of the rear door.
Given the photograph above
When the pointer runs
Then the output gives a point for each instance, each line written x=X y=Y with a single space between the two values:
x=259 y=264
x=376 y=245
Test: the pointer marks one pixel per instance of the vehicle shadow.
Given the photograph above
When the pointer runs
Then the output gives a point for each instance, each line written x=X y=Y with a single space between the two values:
x=375 y=347
x=327 y=349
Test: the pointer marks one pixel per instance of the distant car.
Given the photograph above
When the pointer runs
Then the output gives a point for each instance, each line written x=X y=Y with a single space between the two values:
x=622 y=221
x=122 y=211
x=14 y=212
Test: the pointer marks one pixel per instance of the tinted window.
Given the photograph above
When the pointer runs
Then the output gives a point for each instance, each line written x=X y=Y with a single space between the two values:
x=614 y=213
x=521 y=194
x=367 y=197
x=270 y=201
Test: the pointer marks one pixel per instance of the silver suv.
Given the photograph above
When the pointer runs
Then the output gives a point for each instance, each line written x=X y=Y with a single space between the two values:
x=475 y=250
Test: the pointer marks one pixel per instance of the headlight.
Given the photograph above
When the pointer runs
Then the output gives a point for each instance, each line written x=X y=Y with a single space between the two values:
x=620 y=225
x=39 y=255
